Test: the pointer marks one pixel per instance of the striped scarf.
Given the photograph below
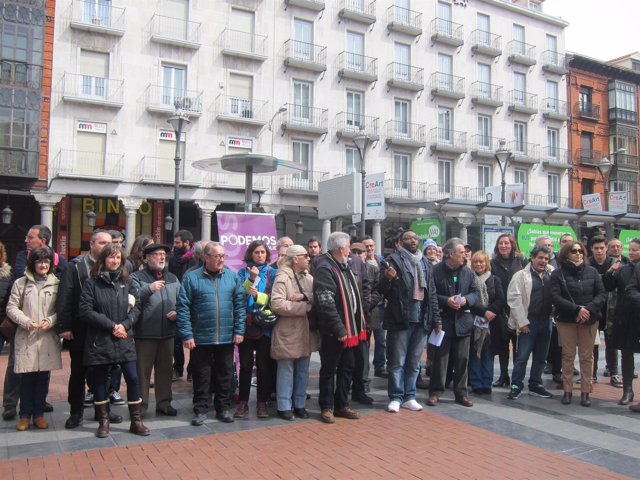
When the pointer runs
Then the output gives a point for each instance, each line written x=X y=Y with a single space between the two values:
x=351 y=303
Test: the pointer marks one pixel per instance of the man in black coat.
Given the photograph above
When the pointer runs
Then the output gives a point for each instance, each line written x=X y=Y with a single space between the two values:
x=457 y=293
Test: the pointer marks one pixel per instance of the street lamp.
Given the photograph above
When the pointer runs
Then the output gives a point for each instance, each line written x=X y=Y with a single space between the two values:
x=280 y=111
x=503 y=155
x=605 y=167
x=362 y=142
x=179 y=121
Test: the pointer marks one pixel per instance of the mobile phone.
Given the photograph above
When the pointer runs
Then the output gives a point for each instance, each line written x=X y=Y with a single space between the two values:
x=384 y=263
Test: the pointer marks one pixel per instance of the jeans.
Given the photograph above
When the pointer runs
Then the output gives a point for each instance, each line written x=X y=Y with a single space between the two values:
x=34 y=387
x=212 y=364
x=535 y=342
x=100 y=376
x=404 y=348
x=336 y=368
x=292 y=380
x=481 y=369
x=262 y=348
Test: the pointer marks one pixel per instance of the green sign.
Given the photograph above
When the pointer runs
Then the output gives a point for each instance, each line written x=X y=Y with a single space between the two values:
x=625 y=238
x=427 y=228
x=528 y=232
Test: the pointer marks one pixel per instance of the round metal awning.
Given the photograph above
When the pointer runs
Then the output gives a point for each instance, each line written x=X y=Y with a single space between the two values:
x=250 y=164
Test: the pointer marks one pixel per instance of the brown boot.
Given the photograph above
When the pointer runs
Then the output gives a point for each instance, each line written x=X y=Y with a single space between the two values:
x=135 y=412
x=102 y=415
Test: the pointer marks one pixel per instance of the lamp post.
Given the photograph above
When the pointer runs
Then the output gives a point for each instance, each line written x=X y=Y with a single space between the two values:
x=281 y=110
x=362 y=142
x=503 y=155
x=605 y=167
x=179 y=121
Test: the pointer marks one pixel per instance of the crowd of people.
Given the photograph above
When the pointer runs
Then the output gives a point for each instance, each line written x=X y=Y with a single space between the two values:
x=135 y=315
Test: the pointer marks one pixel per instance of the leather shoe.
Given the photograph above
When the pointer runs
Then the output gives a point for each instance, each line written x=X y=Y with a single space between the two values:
x=362 y=398
x=286 y=415
x=381 y=373
x=167 y=411
x=432 y=401
x=41 y=423
x=464 y=401
x=48 y=408
x=225 y=416
x=9 y=413
x=23 y=424
x=566 y=398
x=198 y=419
x=346 y=412
x=301 y=412
x=74 y=421
x=326 y=416
x=422 y=384
x=585 y=401
x=557 y=378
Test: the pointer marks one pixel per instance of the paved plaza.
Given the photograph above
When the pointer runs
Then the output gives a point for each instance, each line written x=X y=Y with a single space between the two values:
x=531 y=438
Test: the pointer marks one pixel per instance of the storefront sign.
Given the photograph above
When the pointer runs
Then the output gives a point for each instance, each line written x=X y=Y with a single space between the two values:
x=427 y=228
x=528 y=232
x=170 y=135
x=240 y=142
x=158 y=222
x=91 y=127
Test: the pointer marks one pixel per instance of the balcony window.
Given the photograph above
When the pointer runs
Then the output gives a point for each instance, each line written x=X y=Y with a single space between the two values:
x=622 y=102
x=520 y=137
x=553 y=186
x=302 y=155
x=174 y=81
x=445 y=125
x=401 y=171
x=353 y=160
x=484 y=132
x=485 y=176
x=355 y=111
x=445 y=176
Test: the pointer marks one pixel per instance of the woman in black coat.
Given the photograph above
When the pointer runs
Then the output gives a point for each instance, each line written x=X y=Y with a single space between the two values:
x=110 y=312
x=578 y=295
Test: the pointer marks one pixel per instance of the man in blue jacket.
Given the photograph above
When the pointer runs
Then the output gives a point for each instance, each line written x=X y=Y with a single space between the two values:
x=211 y=319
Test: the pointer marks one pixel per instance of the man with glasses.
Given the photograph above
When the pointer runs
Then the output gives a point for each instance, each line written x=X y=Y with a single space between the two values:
x=210 y=321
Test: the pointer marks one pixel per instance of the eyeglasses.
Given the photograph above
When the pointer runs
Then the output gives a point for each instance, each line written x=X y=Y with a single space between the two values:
x=577 y=251
x=305 y=255
x=216 y=257
x=43 y=262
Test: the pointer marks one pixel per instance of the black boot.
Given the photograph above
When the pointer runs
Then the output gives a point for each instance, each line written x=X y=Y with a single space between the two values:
x=503 y=380
x=627 y=392
x=103 y=419
x=137 y=427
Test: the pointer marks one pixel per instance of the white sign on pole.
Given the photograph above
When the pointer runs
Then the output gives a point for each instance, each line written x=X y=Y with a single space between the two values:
x=339 y=196
x=592 y=201
x=374 y=196
x=618 y=201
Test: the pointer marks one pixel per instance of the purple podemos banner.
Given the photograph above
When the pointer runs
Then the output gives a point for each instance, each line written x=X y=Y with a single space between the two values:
x=237 y=230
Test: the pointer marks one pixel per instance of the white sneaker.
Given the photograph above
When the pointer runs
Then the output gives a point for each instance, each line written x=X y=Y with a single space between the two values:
x=394 y=406
x=412 y=405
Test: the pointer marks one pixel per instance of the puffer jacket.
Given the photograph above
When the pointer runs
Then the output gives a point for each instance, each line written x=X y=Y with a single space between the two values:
x=211 y=307
x=291 y=338
x=39 y=350
x=104 y=304
x=574 y=287
x=153 y=322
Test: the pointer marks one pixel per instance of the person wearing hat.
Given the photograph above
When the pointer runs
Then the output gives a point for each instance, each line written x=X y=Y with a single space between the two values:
x=430 y=251
x=157 y=291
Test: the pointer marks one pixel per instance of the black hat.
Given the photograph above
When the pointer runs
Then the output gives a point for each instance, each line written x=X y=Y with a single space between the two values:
x=152 y=247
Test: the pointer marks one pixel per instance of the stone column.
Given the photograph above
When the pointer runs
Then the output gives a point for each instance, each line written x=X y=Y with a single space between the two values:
x=464 y=219
x=131 y=206
x=377 y=236
x=206 y=208
x=326 y=231
x=47 y=201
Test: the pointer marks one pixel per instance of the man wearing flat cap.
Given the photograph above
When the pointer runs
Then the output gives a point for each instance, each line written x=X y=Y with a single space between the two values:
x=157 y=291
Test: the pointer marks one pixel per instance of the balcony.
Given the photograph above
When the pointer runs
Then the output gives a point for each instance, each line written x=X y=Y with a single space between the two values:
x=363 y=11
x=88 y=165
x=435 y=192
x=521 y=53
x=554 y=157
x=588 y=157
x=299 y=183
x=234 y=43
x=20 y=163
x=313 y=5
x=349 y=124
x=541 y=200
x=524 y=153
x=175 y=31
x=19 y=74
x=306 y=56
x=402 y=20
x=522 y=102
x=587 y=111
x=97 y=17
x=486 y=94
x=486 y=43
x=554 y=62
x=400 y=188
x=242 y=111
x=446 y=32
x=166 y=100
x=357 y=67
x=445 y=85
x=443 y=140
x=163 y=171
x=305 y=119
x=88 y=90
x=620 y=115
x=484 y=146
x=554 y=109
x=405 y=77
x=405 y=134
x=626 y=161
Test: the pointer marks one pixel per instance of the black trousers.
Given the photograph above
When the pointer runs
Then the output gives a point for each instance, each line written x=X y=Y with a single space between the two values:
x=360 y=353
x=178 y=357
x=262 y=348
x=212 y=364
x=336 y=369
x=628 y=367
x=458 y=347
x=75 y=388
x=554 y=357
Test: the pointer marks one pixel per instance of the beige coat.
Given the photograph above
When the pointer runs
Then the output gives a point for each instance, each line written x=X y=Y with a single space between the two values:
x=39 y=350
x=291 y=338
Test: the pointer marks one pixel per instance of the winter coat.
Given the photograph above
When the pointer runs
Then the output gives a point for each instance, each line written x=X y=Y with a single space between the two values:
x=73 y=279
x=104 y=303
x=504 y=270
x=212 y=308
x=6 y=280
x=575 y=287
x=519 y=297
x=496 y=305
x=153 y=322
x=398 y=294
x=59 y=263
x=291 y=338
x=267 y=275
x=625 y=334
x=455 y=323
x=39 y=350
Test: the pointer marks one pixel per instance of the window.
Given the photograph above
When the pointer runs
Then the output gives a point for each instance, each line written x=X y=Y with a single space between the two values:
x=355 y=51
x=356 y=5
x=302 y=155
x=302 y=101
x=519 y=88
x=586 y=145
x=90 y=152
x=94 y=68
x=401 y=171
x=401 y=12
x=552 y=50
x=178 y=12
x=584 y=99
x=445 y=125
x=22 y=43
x=353 y=160
x=15 y=128
x=443 y=22
x=627 y=186
x=355 y=110
x=97 y=12
x=401 y=124
x=445 y=72
x=484 y=132
x=623 y=138
x=520 y=176
x=484 y=29
x=240 y=89
x=587 y=186
x=622 y=102
x=303 y=35
x=445 y=176
x=242 y=21
x=485 y=176
x=484 y=80
x=520 y=138
x=402 y=54
x=552 y=144
x=518 y=37
x=552 y=97
x=174 y=82
x=553 y=182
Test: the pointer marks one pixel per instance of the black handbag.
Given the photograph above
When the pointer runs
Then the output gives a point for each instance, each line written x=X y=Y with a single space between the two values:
x=263 y=316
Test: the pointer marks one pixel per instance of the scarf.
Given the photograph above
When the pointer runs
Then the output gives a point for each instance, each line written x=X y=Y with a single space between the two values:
x=351 y=302
x=482 y=284
x=419 y=280
x=480 y=330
